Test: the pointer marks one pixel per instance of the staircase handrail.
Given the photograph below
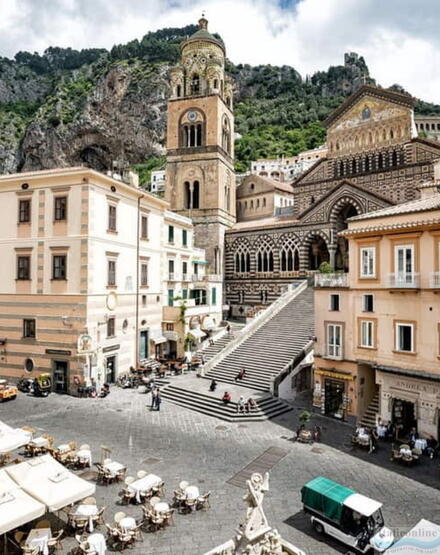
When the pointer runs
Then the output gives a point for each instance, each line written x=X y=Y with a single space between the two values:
x=255 y=324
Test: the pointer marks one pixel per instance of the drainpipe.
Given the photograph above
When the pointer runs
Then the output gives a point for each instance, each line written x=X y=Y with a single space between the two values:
x=137 y=278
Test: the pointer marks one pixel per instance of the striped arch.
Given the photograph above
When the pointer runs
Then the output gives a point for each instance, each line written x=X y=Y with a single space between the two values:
x=242 y=255
x=341 y=203
x=289 y=253
x=264 y=254
x=306 y=247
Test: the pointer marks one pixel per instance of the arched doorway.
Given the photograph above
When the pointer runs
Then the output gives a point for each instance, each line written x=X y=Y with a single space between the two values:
x=341 y=255
x=318 y=252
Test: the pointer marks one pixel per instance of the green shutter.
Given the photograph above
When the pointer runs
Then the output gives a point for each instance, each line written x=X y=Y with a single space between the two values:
x=213 y=295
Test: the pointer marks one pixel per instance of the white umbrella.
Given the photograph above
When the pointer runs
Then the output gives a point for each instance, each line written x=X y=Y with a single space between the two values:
x=50 y=482
x=12 y=438
x=16 y=506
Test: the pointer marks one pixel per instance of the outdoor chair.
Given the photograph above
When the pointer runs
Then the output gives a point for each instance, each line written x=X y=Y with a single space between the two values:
x=119 y=516
x=120 y=475
x=124 y=539
x=169 y=518
x=112 y=534
x=98 y=519
x=203 y=501
x=54 y=544
x=29 y=550
x=126 y=494
x=137 y=532
x=188 y=505
x=158 y=490
x=42 y=524
x=100 y=469
x=19 y=538
x=5 y=458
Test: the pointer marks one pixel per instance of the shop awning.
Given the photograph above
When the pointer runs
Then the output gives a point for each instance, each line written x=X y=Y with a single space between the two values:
x=200 y=262
x=336 y=375
x=208 y=324
x=158 y=340
x=197 y=334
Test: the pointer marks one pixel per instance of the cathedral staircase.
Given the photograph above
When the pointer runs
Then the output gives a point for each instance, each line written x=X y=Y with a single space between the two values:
x=210 y=404
x=219 y=344
x=268 y=345
x=369 y=418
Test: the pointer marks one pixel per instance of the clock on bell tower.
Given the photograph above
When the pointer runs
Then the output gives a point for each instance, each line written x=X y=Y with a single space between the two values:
x=200 y=178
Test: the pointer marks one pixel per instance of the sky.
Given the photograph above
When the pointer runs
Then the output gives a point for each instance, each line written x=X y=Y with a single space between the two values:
x=399 y=39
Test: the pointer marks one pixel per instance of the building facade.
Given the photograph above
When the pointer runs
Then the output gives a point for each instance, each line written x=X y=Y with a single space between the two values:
x=378 y=327
x=287 y=168
x=374 y=160
x=200 y=178
x=428 y=126
x=261 y=197
x=85 y=277
x=157 y=183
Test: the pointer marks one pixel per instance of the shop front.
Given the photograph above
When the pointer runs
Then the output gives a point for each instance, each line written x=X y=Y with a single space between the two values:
x=333 y=393
x=409 y=401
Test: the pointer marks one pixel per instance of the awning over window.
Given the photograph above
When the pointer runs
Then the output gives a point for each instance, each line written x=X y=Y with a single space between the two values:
x=158 y=340
x=200 y=262
x=197 y=334
x=336 y=375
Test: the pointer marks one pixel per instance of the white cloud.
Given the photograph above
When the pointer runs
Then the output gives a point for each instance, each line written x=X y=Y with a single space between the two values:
x=398 y=38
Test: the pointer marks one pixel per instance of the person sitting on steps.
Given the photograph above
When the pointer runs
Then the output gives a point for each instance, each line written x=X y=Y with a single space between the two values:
x=226 y=398
x=240 y=376
x=213 y=385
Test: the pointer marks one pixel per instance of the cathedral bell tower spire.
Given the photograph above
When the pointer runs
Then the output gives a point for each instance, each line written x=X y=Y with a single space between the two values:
x=200 y=178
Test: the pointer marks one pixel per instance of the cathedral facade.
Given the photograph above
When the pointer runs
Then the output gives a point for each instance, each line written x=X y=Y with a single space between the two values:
x=374 y=160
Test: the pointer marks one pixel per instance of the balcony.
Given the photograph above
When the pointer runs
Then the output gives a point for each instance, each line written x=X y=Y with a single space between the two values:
x=331 y=280
x=212 y=277
x=434 y=281
x=171 y=276
x=185 y=277
x=403 y=281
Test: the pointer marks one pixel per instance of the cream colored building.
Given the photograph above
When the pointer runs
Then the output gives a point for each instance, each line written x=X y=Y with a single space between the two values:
x=378 y=327
x=85 y=275
x=193 y=296
x=261 y=197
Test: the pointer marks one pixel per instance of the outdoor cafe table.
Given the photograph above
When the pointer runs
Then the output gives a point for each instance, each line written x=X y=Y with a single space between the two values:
x=85 y=455
x=161 y=507
x=97 y=543
x=39 y=537
x=144 y=485
x=127 y=523
x=88 y=511
x=114 y=467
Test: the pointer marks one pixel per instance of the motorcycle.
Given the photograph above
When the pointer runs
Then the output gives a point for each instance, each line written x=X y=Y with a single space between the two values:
x=25 y=385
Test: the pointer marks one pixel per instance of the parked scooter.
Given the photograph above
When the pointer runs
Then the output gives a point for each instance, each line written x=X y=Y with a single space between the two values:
x=25 y=385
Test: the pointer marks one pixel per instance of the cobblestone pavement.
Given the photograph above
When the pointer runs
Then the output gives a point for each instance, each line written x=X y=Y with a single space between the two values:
x=207 y=452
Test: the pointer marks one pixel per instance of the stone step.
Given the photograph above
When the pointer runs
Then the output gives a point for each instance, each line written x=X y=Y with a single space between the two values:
x=211 y=405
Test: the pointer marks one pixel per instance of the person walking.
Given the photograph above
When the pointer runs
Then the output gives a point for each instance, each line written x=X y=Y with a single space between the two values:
x=153 y=397
x=158 y=400
x=228 y=329
x=213 y=385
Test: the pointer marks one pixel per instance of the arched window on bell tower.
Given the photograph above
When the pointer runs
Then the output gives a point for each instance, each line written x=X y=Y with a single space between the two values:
x=195 y=84
x=191 y=195
x=192 y=129
x=226 y=135
x=179 y=91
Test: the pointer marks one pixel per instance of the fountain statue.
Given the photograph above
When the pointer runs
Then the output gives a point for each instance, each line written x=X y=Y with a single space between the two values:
x=255 y=536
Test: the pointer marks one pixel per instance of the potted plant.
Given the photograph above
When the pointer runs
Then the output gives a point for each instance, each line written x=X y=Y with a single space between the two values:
x=304 y=435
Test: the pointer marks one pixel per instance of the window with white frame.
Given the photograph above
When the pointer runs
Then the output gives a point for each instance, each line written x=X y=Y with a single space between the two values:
x=404 y=337
x=367 y=333
x=111 y=272
x=334 y=340
x=404 y=263
x=368 y=262
x=368 y=302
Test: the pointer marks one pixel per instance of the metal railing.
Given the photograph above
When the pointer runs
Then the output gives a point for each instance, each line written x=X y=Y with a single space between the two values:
x=403 y=281
x=434 y=281
x=185 y=277
x=171 y=276
x=331 y=280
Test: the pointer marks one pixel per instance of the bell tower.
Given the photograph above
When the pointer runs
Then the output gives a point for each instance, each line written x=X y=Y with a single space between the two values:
x=200 y=178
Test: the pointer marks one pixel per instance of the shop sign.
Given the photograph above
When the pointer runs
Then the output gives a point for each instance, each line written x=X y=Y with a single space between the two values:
x=111 y=348
x=418 y=387
x=58 y=352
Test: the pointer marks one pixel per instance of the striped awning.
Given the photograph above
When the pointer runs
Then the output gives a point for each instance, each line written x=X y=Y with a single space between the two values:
x=336 y=375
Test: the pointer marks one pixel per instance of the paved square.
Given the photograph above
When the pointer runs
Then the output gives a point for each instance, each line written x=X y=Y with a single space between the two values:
x=177 y=444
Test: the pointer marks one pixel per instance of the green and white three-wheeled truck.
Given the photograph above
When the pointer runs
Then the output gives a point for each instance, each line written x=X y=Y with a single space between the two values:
x=348 y=516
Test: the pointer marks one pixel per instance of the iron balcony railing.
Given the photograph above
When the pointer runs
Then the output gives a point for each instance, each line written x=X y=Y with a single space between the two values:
x=403 y=281
x=434 y=281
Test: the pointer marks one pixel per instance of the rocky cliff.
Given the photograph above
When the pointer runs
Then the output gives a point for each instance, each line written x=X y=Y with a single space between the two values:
x=96 y=107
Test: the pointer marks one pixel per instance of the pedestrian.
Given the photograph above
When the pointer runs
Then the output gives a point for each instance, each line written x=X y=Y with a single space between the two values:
x=240 y=376
x=241 y=404
x=158 y=399
x=213 y=385
x=317 y=433
x=250 y=405
x=226 y=399
x=373 y=437
x=153 y=397
x=228 y=329
x=431 y=446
